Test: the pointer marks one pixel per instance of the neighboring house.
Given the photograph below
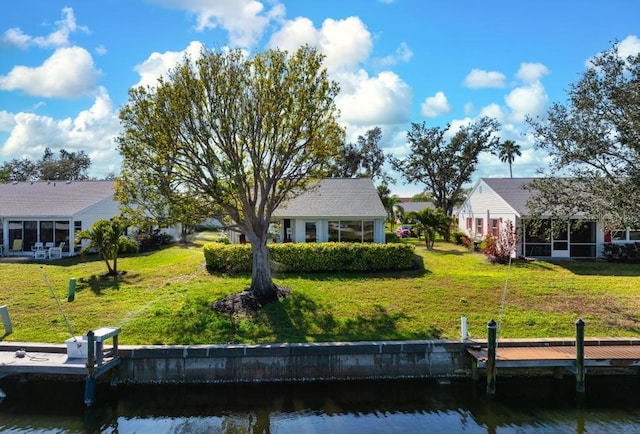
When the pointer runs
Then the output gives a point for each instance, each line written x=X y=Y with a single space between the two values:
x=51 y=212
x=409 y=206
x=334 y=209
x=494 y=201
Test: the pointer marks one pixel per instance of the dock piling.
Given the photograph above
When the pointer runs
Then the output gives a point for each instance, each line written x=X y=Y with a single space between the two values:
x=90 y=384
x=491 y=359
x=580 y=369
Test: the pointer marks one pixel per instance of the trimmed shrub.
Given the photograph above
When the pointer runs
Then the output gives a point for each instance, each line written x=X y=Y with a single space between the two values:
x=391 y=237
x=627 y=252
x=459 y=238
x=314 y=257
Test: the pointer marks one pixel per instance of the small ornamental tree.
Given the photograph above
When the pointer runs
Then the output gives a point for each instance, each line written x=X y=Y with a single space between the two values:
x=502 y=248
x=108 y=238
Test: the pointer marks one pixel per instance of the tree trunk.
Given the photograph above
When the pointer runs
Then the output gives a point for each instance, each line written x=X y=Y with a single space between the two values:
x=261 y=282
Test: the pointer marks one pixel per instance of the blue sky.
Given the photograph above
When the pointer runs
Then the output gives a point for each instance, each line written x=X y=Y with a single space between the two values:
x=66 y=67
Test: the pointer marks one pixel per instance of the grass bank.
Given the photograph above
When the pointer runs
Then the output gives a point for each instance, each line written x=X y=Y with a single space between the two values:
x=164 y=299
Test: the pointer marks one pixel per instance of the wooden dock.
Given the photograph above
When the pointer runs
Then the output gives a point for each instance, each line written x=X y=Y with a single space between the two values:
x=34 y=362
x=573 y=356
x=596 y=353
x=26 y=358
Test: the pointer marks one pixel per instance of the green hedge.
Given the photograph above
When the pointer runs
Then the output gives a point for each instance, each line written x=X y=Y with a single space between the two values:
x=313 y=257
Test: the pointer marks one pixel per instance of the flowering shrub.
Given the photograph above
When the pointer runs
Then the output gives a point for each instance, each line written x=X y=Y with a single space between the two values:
x=502 y=248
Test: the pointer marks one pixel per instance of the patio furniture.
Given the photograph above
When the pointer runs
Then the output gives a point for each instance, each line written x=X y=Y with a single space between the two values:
x=17 y=246
x=40 y=254
x=55 y=252
x=39 y=245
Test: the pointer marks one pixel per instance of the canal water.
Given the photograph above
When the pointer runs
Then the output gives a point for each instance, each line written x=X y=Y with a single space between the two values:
x=538 y=405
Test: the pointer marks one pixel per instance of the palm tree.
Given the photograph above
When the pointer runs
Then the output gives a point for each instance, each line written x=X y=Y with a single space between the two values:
x=392 y=204
x=507 y=152
x=108 y=238
x=432 y=222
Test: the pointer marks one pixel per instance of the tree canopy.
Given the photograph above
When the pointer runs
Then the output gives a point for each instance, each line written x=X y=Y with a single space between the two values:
x=67 y=166
x=238 y=134
x=362 y=159
x=507 y=152
x=593 y=140
x=445 y=165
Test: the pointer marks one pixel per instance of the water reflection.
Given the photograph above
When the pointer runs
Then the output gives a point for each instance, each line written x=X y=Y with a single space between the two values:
x=540 y=406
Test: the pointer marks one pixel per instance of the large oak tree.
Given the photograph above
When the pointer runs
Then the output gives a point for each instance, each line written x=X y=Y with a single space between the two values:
x=594 y=143
x=240 y=134
x=444 y=165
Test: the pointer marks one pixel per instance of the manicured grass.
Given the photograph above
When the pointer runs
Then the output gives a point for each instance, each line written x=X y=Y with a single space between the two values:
x=164 y=299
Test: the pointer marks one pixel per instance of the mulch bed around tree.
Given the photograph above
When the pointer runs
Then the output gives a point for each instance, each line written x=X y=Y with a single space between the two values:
x=245 y=302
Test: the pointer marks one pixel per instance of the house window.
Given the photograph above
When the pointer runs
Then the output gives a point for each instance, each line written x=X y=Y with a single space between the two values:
x=469 y=224
x=495 y=227
x=537 y=238
x=46 y=231
x=634 y=234
x=355 y=231
x=618 y=235
x=583 y=240
x=15 y=232
x=479 y=226
x=310 y=232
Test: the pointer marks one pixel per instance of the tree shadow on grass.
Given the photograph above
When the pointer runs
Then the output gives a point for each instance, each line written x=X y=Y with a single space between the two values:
x=99 y=283
x=299 y=318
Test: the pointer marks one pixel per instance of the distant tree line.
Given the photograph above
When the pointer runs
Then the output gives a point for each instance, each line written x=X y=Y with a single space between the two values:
x=65 y=166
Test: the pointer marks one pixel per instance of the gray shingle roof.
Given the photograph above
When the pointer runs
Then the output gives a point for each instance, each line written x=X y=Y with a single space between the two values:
x=512 y=190
x=51 y=199
x=416 y=206
x=336 y=197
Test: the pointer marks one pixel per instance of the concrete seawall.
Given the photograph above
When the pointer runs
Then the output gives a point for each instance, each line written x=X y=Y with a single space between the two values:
x=293 y=362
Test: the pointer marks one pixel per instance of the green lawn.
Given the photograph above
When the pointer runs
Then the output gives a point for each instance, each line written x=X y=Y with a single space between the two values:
x=164 y=299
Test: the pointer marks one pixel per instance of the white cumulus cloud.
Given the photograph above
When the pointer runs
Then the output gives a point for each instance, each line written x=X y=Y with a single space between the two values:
x=158 y=64
x=527 y=100
x=68 y=73
x=531 y=72
x=402 y=54
x=435 y=105
x=629 y=46
x=345 y=43
x=92 y=131
x=380 y=100
x=57 y=38
x=244 y=20
x=479 y=78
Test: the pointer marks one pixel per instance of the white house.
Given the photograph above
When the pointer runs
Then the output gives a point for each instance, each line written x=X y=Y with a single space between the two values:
x=334 y=209
x=51 y=212
x=494 y=201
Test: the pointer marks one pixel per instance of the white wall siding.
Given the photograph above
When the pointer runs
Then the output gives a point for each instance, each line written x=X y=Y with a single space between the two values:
x=484 y=203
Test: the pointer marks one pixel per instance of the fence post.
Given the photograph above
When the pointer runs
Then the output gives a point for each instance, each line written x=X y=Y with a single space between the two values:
x=580 y=371
x=491 y=360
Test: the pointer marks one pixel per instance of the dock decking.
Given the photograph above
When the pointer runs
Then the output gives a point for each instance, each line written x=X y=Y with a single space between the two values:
x=33 y=362
x=606 y=355
x=85 y=355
